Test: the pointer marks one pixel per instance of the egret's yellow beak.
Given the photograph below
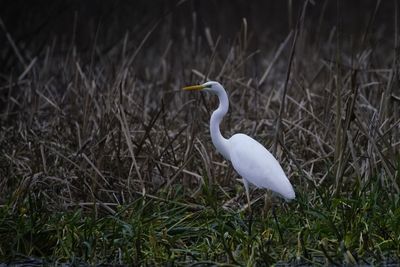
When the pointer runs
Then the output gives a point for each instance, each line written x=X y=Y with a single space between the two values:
x=193 y=88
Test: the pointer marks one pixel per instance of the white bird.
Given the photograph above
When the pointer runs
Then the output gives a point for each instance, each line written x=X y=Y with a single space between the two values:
x=249 y=158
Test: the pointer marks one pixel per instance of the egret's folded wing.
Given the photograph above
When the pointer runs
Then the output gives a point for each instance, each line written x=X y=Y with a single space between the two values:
x=256 y=164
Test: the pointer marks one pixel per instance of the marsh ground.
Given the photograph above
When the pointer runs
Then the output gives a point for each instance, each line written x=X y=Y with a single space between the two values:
x=104 y=160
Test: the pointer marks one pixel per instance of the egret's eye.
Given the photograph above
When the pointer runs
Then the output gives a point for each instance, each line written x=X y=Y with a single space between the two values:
x=208 y=86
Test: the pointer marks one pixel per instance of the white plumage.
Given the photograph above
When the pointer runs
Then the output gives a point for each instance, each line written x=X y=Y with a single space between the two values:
x=249 y=158
x=258 y=166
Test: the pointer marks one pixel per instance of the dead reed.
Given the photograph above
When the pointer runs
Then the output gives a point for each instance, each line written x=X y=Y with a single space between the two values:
x=104 y=159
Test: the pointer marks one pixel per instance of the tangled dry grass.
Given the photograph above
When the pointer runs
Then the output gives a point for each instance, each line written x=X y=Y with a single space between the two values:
x=100 y=129
x=117 y=125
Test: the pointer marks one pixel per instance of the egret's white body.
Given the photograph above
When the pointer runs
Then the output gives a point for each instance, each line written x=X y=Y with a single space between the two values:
x=258 y=166
x=249 y=158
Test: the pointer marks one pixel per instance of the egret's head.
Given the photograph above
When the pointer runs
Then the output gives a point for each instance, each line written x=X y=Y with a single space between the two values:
x=213 y=87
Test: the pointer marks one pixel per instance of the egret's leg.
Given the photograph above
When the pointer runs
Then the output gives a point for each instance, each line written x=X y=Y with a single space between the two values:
x=246 y=186
x=267 y=202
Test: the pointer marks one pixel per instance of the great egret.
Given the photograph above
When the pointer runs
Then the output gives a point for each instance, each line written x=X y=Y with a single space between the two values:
x=249 y=158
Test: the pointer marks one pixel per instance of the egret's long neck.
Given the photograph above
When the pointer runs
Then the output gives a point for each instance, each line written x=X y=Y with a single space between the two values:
x=218 y=140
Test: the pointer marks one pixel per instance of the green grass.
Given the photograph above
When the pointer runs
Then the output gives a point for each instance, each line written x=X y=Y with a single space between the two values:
x=359 y=228
x=103 y=159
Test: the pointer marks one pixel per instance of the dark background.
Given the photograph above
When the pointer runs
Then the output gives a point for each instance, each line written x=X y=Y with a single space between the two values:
x=32 y=25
